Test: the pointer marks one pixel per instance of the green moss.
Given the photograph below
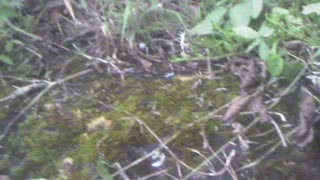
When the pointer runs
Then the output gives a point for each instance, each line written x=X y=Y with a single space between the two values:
x=5 y=163
x=43 y=141
x=86 y=152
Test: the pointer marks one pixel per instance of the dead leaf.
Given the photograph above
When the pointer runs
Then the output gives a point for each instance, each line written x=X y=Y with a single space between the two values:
x=248 y=70
x=236 y=108
x=258 y=106
x=250 y=77
x=147 y=65
x=55 y=16
x=307 y=115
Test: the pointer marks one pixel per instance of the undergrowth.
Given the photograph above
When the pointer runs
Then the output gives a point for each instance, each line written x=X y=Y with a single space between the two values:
x=80 y=130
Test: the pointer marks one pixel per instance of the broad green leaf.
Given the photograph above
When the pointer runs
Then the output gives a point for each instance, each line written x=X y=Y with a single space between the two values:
x=264 y=51
x=275 y=65
x=246 y=32
x=205 y=26
x=103 y=171
x=311 y=8
x=239 y=15
x=255 y=7
x=266 y=31
x=6 y=59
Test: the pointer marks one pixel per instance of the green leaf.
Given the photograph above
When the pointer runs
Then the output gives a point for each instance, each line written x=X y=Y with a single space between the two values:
x=7 y=12
x=6 y=59
x=266 y=31
x=103 y=171
x=255 y=7
x=264 y=51
x=253 y=45
x=205 y=27
x=239 y=15
x=294 y=20
x=275 y=65
x=8 y=46
x=291 y=71
x=18 y=42
x=311 y=8
x=246 y=32
x=279 y=10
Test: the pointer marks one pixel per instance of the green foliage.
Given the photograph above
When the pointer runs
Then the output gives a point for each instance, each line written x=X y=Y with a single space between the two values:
x=255 y=28
x=206 y=26
x=239 y=15
x=6 y=59
x=311 y=8
x=275 y=64
x=103 y=171
x=246 y=32
x=7 y=11
x=291 y=70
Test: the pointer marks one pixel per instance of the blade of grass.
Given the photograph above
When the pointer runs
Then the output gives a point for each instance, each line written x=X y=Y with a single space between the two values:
x=70 y=8
x=126 y=15
x=22 y=31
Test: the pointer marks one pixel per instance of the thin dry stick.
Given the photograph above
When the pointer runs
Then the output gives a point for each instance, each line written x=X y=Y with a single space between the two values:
x=172 y=153
x=206 y=142
x=153 y=174
x=49 y=86
x=138 y=161
x=206 y=118
x=162 y=144
x=272 y=149
x=22 y=112
x=122 y=173
x=279 y=133
x=276 y=101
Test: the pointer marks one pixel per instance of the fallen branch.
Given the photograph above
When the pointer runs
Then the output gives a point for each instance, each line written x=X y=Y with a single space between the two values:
x=48 y=86
x=23 y=91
